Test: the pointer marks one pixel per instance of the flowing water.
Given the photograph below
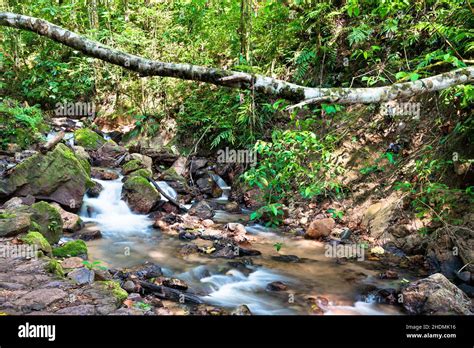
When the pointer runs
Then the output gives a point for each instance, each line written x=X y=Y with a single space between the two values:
x=128 y=239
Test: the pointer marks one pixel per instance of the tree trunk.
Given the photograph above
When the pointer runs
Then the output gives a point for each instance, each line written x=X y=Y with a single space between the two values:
x=261 y=84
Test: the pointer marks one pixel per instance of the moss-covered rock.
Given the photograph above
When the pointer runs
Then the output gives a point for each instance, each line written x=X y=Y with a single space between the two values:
x=114 y=287
x=38 y=240
x=88 y=139
x=69 y=249
x=84 y=157
x=132 y=165
x=47 y=221
x=56 y=176
x=139 y=194
x=54 y=266
x=13 y=223
x=144 y=173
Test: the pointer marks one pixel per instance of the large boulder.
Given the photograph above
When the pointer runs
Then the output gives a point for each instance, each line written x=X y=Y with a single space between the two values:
x=320 y=228
x=88 y=139
x=140 y=195
x=12 y=223
x=71 y=222
x=41 y=217
x=57 y=176
x=435 y=295
x=47 y=220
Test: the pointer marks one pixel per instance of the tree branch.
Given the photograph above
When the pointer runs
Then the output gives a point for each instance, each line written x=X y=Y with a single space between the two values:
x=261 y=84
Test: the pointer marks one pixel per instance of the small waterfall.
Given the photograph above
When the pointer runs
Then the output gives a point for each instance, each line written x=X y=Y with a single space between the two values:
x=111 y=213
x=223 y=185
x=234 y=289
x=168 y=189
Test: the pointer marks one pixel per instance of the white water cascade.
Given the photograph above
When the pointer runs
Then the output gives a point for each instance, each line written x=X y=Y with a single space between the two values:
x=111 y=213
x=223 y=186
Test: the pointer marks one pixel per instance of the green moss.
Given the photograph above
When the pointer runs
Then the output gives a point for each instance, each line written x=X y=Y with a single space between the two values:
x=7 y=215
x=35 y=226
x=171 y=175
x=145 y=173
x=115 y=289
x=37 y=239
x=47 y=221
x=40 y=174
x=88 y=139
x=69 y=249
x=132 y=165
x=54 y=266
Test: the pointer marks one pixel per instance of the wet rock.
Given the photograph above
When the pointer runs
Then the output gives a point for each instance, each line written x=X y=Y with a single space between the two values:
x=188 y=249
x=89 y=232
x=108 y=155
x=186 y=235
x=103 y=174
x=197 y=164
x=81 y=276
x=286 y=258
x=276 y=286
x=208 y=186
x=95 y=190
x=71 y=222
x=388 y=275
x=57 y=176
x=241 y=310
x=140 y=195
x=102 y=275
x=174 y=283
x=435 y=295
x=320 y=228
x=202 y=210
x=129 y=286
x=235 y=228
x=12 y=224
x=207 y=223
x=146 y=270
x=72 y=262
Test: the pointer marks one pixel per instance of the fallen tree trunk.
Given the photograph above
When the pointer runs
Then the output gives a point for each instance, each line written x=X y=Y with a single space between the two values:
x=262 y=84
x=167 y=196
x=167 y=293
x=52 y=143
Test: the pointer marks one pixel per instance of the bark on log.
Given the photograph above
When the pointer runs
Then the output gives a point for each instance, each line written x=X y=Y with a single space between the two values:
x=262 y=84
x=52 y=143
x=167 y=196
x=167 y=293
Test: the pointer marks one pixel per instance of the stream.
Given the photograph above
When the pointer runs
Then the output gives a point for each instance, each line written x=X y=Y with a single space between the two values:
x=129 y=239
